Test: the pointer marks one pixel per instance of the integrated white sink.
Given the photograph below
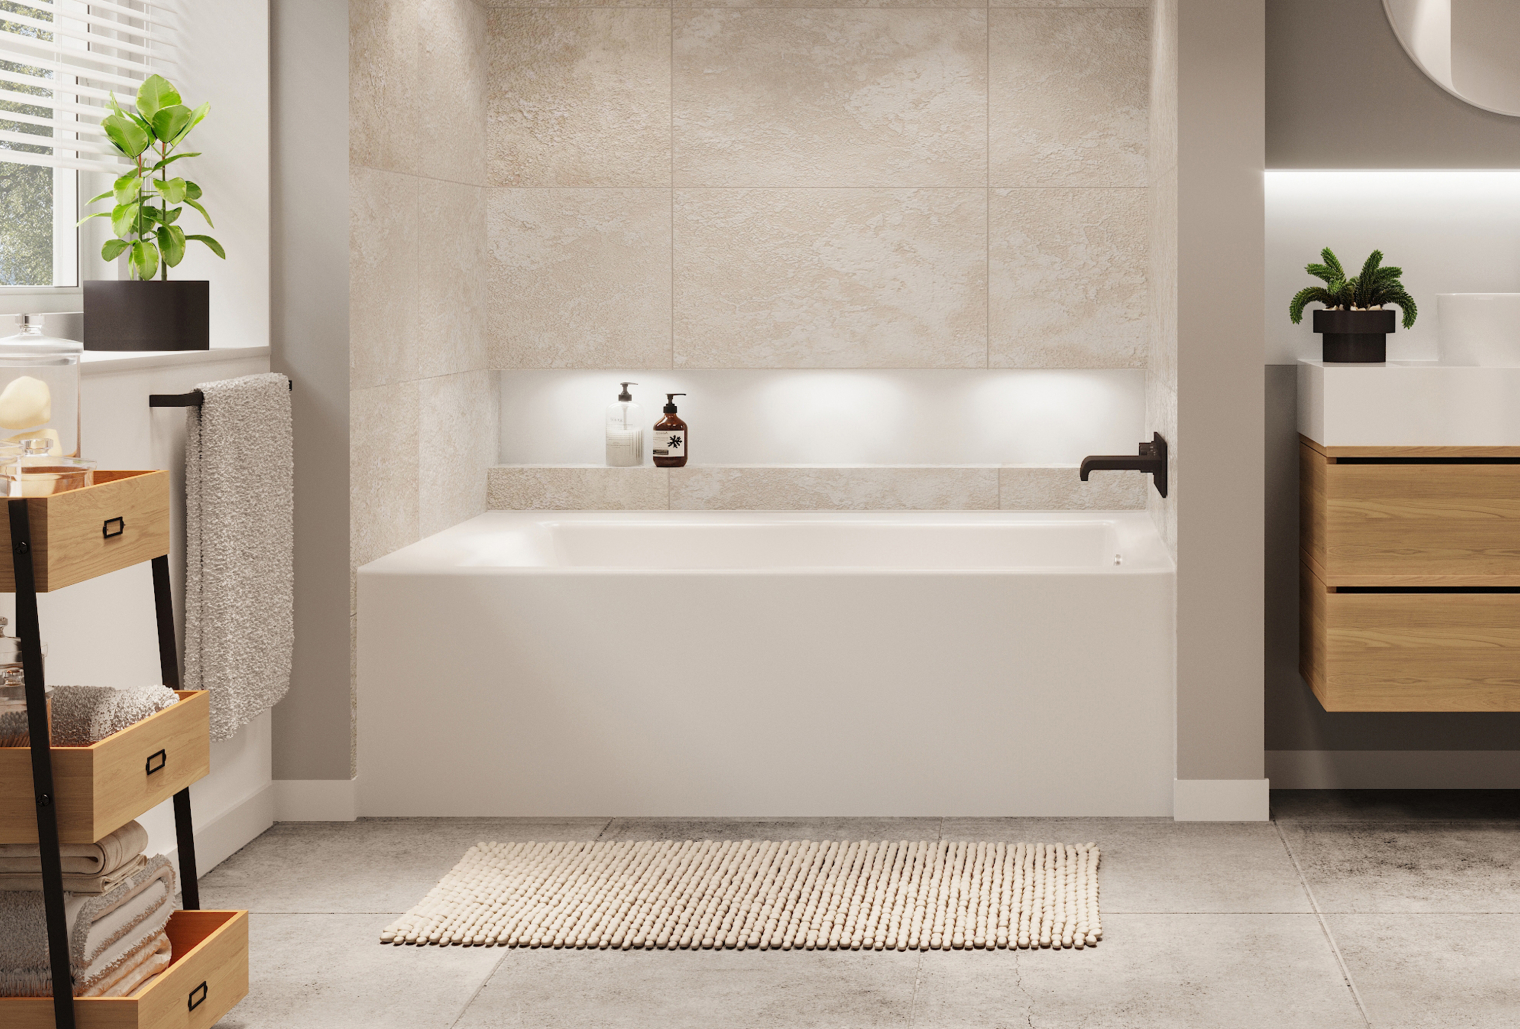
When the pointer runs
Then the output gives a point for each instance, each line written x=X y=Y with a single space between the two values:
x=1408 y=404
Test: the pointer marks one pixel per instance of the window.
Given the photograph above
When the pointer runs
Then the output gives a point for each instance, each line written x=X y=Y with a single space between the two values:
x=60 y=62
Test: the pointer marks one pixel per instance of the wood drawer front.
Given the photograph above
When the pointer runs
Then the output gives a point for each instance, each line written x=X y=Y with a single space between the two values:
x=1410 y=651
x=69 y=531
x=210 y=947
x=1411 y=524
x=102 y=787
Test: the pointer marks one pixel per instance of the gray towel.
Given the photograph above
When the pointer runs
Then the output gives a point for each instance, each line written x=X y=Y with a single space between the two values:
x=83 y=715
x=238 y=545
x=104 y=931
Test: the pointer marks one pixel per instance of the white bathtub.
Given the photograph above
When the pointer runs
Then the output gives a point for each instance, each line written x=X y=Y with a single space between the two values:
x=761 y=663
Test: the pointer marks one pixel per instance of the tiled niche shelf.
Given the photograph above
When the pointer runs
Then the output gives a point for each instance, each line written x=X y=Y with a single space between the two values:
x=794 y=488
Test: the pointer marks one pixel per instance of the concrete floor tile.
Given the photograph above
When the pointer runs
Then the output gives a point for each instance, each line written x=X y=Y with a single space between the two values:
x=1433 y=971
x=537 y=989
x=1409 y=866
x=773 y=829
x=330 y=971
x=1178 y=971
x=1394 y=805
x=372 y=865
x=1162 y=866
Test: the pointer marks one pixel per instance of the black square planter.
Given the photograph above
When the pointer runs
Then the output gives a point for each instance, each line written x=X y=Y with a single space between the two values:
x=128 y=314
x=1351 y=337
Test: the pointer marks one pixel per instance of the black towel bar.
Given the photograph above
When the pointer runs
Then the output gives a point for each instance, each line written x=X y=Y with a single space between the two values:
x=192 y=399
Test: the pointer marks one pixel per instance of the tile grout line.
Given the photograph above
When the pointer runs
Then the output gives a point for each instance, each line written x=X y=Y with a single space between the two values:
x=603 y=831
x=1324 y=926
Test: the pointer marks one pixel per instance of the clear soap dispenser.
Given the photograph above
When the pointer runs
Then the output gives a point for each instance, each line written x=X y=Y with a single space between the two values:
x=39 y=388
x=625 y=431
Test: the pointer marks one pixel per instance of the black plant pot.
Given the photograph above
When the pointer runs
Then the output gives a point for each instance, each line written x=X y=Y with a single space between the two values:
x=1353 y=337
x=127 y=314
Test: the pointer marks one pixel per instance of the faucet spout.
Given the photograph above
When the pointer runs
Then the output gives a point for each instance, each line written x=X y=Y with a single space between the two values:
x=1151 y=458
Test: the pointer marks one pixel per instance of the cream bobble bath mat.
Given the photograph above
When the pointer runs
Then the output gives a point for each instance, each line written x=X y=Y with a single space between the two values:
x=762 y=895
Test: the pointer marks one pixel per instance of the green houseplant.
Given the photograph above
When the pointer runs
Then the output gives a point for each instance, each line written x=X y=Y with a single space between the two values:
x=143 y=312
x=1354 y=323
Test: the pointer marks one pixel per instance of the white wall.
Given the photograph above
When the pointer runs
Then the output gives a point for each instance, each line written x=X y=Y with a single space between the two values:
x=822 y=417
x=1451 y=232
x=227 y=64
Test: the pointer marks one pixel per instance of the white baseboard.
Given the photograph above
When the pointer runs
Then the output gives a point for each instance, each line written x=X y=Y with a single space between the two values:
x=315 y=800
x=1394 y=769
x=222 y=837
x=1221 y=800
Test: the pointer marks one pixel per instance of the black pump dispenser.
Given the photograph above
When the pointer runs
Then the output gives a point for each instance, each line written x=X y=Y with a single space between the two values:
x=670 y=401
x=625 y=395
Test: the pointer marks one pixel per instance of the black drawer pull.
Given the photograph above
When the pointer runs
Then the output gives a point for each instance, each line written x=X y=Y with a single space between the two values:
x=195 y=1001
x=113 y=527
x=162 y=759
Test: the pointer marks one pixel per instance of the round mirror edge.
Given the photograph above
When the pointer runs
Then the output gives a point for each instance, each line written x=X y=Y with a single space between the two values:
x=1409 y=51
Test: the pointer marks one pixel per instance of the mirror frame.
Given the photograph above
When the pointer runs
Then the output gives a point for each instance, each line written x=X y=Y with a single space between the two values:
x=1415 y=60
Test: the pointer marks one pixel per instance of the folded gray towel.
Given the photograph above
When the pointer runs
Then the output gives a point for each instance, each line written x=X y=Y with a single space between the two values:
x=105 y=931
x=239 y=469
x=88 y=714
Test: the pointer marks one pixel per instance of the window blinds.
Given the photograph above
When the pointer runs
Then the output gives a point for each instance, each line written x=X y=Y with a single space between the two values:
x=60 y=61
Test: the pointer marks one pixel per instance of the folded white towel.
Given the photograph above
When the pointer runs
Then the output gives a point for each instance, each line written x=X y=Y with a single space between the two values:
x=105 y=932
x=109 y=854
x=146 y=962
x=83 y=884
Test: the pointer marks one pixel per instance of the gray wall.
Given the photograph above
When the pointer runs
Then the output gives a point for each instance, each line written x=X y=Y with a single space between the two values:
x=1388 y=115
x=1220 y=233
x=309 y=319
x=1342 y=93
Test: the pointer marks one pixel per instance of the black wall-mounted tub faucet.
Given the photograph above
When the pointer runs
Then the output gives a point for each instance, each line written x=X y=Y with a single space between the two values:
x=1152 y=458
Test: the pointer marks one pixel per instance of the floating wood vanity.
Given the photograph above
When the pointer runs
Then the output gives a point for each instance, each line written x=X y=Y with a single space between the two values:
x=1409 y=554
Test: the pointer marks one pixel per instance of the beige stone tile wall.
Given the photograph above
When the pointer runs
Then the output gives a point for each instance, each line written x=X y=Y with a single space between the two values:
x=818 y=184
x=719 y=488
x=422 y=411
x=1161 y=363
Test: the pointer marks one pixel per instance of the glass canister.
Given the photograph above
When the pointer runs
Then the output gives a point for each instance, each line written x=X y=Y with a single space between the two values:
x=39 y=388
x=13 y=719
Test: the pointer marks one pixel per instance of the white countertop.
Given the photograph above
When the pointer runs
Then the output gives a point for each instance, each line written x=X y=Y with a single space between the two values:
x=1408 y=404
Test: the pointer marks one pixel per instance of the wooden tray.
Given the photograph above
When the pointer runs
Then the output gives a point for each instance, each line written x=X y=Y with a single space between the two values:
x=121 y=520
x=207 y=976
x=104 y=786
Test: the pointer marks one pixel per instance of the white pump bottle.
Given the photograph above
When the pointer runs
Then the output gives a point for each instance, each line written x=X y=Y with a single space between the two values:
x=625 y=431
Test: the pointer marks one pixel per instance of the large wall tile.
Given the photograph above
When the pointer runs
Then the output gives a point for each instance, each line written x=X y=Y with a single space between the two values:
x=382 y=470
x=535 y=488
x=1068 y=278
x=837 y=98
x=1163 y=277
x=456 y=447
x=579 y=278
x=1049 y=4
x=452 y=273
x=854 y=4
x=579 y=98
x=382 y=84
x=383 y=270
x=1059 y=489
x=830 y=278
x=488 y=4
x=833 y=489
x=452 y=83
x=1069 y=94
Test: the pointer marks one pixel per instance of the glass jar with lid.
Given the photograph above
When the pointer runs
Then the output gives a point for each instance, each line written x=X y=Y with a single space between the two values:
x=39 y=388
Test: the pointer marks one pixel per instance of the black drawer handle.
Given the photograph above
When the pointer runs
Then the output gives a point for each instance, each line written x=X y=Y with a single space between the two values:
x=113 y=527
x=195 y=1001
x=162 y=759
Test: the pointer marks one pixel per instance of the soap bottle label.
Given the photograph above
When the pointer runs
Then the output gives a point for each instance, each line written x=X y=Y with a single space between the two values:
x=670 y=443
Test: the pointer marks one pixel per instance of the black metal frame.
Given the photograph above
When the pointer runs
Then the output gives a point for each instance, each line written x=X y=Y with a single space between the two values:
x=195 y=398
x=29 y=634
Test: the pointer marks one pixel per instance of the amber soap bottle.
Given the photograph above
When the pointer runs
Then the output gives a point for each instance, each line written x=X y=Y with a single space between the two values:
x=670 y=444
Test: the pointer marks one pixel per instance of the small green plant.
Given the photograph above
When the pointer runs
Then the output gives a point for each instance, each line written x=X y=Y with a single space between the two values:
x=148 y=234
x=1375 y=287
